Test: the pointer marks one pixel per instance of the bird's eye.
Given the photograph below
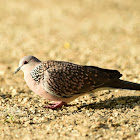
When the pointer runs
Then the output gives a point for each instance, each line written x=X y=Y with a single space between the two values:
x=25 y=62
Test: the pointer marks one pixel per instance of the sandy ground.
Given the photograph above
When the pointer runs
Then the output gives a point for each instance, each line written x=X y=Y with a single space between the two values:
x=103 y=33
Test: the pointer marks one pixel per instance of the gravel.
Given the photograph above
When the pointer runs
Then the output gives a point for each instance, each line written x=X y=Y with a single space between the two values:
x=104 y=34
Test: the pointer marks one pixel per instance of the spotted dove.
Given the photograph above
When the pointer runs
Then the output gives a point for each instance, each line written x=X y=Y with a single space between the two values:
x=62 y=81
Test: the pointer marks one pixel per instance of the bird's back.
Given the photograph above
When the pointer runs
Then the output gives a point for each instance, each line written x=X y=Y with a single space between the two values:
x=65 y=79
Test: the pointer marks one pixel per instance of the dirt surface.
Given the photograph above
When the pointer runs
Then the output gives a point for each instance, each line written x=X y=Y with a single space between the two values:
x=103 y=33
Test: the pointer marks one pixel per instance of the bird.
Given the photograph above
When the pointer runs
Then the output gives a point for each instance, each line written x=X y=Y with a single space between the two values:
x=62 y=81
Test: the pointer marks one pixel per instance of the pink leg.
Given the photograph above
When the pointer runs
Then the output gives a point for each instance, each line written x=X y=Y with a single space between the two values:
x=56 y=105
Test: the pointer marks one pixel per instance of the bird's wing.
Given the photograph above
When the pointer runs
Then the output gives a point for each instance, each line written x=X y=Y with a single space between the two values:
x=64 y=79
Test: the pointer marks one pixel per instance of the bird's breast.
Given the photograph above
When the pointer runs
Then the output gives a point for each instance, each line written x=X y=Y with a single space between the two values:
x=39 y=90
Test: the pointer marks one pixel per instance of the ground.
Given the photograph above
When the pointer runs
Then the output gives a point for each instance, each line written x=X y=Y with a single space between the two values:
x=103 y=33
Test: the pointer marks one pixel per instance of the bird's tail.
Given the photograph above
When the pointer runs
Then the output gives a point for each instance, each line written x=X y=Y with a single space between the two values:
x=121 y=84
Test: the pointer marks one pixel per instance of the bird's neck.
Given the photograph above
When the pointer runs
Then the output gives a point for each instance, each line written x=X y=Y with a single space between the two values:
x=29 y=68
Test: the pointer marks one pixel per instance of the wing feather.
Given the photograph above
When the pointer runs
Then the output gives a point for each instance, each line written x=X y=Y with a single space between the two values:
x=64 y=79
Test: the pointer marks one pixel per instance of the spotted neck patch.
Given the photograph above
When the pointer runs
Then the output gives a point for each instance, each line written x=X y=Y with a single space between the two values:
x=37 y=73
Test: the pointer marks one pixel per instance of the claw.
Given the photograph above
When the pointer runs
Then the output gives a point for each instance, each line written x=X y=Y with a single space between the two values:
x=56 y=105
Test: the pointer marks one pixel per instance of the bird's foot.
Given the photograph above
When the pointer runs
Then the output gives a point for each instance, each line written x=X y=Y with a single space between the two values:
x=56 y=105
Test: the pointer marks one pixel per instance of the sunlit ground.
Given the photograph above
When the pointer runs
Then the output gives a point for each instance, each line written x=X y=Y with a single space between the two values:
x=103 y=33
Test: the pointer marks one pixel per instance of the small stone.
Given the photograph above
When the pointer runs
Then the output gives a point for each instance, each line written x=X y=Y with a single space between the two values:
x=138 y=135
x=14 y=92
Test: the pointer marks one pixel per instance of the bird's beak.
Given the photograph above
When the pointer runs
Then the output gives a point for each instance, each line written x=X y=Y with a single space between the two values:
x=17 y=70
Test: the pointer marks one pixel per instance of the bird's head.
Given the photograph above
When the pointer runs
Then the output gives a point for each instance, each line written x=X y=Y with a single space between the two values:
x=27 y=62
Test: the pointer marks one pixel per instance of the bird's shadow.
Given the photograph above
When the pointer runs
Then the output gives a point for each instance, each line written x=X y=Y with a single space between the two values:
x=114 y=103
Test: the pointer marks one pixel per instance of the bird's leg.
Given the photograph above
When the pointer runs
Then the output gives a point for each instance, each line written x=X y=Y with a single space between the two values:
x=56 y=105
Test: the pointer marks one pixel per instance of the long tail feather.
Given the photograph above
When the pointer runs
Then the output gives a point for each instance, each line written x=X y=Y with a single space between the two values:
x=121 y=84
